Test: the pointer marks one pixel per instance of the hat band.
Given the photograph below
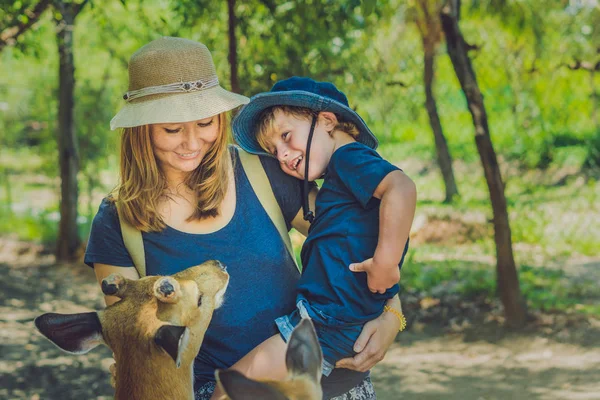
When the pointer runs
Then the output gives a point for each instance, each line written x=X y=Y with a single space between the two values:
x=179 y=87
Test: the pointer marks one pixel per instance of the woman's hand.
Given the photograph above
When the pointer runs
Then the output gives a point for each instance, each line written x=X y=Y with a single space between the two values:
x=374 y=341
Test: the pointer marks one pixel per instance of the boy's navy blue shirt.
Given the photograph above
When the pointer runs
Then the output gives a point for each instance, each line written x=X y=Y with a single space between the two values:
x=345 y=231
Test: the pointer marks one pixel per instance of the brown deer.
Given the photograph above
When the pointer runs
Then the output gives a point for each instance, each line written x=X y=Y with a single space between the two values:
x=155 y=330
x=303 y=359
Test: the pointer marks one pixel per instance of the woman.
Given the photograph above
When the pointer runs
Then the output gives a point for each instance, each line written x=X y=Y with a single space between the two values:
x=184 y=189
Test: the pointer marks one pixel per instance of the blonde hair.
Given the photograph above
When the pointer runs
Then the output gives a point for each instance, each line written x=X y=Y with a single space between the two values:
x=266 y=123
x=143 y=186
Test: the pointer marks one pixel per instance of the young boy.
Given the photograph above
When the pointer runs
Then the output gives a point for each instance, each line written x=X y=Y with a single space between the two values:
x=356 y=244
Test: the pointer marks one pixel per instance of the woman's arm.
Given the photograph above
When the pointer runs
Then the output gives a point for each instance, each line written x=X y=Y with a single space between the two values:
x=104 y=270
x=374 y=341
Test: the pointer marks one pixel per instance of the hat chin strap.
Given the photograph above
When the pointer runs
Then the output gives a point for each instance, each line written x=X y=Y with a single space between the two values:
x=308 y=214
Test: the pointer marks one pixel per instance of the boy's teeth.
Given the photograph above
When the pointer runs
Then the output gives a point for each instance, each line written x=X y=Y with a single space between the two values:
x=297 y=162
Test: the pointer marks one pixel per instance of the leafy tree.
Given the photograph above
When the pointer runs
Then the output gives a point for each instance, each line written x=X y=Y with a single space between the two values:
x=274 y=40
x=68 y=147
x=507 y=278
x=538 y=41
x=428 y=23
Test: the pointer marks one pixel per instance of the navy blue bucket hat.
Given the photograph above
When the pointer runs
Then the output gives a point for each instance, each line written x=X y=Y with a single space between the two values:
x=299 y=92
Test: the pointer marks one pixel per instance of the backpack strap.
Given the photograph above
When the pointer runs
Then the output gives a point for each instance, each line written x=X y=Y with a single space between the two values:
x=263 y=190
x=133 y=242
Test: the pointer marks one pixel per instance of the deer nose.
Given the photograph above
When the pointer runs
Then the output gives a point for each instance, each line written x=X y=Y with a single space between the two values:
x=167 y=289
x=217 y=263
x=113 y=285
x=109 y=288
x=221 y=265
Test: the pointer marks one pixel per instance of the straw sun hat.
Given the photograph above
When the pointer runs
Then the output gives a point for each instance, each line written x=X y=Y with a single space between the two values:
x=173 y=80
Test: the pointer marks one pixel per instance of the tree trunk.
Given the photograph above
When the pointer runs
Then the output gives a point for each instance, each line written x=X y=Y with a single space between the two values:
x=595 y=96
x=8 y=191
x=507 y=278
x=441 y=146
x=235 y=85
x=91 y=185
x=68 y=154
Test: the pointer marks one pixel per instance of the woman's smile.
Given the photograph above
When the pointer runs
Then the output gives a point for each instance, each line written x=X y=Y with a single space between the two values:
x=188 y=156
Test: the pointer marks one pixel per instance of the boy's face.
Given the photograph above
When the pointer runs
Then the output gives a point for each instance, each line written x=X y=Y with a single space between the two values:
x=288 y=143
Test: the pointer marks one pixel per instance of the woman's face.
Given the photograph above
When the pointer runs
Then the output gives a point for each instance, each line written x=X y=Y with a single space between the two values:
x=180 y=147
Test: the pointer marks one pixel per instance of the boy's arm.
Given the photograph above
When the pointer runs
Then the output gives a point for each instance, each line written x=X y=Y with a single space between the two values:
x=398 y=196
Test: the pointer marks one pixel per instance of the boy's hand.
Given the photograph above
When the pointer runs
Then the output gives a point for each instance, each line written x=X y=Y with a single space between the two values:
x=380 y=277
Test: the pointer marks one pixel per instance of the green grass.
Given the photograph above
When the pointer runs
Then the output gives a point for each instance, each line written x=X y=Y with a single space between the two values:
x=29 y=226
x=39 y=226
x=544 y=289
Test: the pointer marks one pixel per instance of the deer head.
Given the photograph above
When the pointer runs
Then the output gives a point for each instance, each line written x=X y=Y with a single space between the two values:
x=155 y=330
x=303 y=359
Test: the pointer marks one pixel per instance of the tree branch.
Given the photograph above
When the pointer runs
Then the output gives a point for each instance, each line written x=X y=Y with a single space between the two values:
x=472 y=47
x=9 y=35
x=270 y=4
x=585 y=65
x=78 y=7
x=396 y=83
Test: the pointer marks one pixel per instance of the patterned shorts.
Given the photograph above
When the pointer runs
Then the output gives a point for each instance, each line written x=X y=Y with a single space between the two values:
x=362 y=391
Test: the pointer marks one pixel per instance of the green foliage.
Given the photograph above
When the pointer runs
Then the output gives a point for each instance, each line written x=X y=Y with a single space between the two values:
x=35 y=225
x=369 y=49
x=39 y=227
x=280 y=39
x=592 y=160
x=544 y=288
x=368 y=6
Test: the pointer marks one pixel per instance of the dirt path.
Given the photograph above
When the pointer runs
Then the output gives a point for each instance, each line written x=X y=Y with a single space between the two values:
x=31 y=367
x=515 y=367
x=557 y=358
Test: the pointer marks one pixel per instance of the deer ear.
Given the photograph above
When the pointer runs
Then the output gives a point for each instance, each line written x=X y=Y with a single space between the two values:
x=237 y=386
x=304 y=354
x=173 y=339
x=75 y=333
